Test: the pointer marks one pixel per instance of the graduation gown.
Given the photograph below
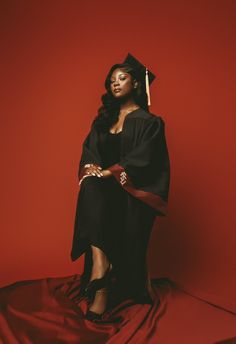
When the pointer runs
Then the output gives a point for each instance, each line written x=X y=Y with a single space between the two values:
x=139 y=188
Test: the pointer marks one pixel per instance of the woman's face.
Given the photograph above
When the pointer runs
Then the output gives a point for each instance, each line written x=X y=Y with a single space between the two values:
x=121 y=83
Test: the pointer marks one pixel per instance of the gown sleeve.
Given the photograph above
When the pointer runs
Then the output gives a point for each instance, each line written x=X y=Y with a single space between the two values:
x=88 y=155
x=145 y=171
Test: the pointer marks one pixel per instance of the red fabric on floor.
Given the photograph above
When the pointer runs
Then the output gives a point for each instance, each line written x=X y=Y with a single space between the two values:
x=46 y=311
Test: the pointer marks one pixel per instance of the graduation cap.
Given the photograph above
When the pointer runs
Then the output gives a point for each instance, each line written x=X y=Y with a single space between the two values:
x=143 y=74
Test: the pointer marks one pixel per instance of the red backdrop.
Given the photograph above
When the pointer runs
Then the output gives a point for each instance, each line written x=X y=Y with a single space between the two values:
x=54 y=58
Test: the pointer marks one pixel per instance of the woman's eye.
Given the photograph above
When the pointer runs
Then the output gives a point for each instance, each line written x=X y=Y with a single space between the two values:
x=122 y=78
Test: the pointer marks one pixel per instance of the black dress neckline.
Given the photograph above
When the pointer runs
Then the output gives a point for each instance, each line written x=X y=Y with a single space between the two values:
x=129 y=114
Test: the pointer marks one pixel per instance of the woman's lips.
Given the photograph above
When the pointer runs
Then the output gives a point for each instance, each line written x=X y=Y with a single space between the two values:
x=117 y=90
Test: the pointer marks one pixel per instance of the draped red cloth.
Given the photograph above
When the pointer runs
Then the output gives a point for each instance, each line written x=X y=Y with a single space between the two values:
x=46 y=311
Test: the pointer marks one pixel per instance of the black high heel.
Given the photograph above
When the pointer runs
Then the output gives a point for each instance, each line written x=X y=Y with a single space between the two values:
x=88 y=289
x=93 y=316
x=82 y=294
x=100 y=317
x=98 y=283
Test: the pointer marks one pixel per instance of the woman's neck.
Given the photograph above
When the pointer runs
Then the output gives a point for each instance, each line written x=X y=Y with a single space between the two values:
x=128 y=106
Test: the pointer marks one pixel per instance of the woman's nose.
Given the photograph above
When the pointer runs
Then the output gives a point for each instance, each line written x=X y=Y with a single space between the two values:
x=116 y=83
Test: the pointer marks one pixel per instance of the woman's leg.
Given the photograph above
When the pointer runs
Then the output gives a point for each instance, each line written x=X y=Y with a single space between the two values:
x=94 y=211
x=116 y=202
x=100 y=265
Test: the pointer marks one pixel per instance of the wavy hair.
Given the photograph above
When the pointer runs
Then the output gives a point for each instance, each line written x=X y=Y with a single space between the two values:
x=108 y=113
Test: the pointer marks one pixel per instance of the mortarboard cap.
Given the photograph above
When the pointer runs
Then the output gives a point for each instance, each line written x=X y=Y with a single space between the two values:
x=143 y=74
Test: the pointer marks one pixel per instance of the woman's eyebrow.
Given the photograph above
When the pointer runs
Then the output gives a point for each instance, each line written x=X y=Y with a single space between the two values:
x=120 y=75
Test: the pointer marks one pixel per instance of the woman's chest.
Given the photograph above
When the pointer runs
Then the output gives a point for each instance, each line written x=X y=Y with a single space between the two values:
x=117 y=127
x=130 y=135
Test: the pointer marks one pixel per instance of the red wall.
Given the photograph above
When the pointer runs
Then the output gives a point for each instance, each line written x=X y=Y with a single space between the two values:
x=54 y=58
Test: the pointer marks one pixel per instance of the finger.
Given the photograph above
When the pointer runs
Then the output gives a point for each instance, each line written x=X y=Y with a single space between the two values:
x=98 y=167
x=98 y=172
x=95 y=171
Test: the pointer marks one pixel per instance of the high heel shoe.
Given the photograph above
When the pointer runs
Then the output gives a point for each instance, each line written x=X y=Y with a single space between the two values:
x=98 y=283
x=88 y=289
x=82 y=294
x=93 y=316
x=100 y=317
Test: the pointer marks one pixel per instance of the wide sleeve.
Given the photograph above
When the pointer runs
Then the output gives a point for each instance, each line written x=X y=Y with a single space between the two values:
x=89 y=153
x=144 y=172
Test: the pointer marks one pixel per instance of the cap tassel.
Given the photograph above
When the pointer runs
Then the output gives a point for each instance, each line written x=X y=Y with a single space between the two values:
x=147 y=87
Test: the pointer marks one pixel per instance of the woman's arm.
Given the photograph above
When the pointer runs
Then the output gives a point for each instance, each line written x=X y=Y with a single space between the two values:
x=106 y=173
x=145 y=171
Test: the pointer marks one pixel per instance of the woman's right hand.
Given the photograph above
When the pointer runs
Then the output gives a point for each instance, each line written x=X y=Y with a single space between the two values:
x=94 y=170
x=91 y=170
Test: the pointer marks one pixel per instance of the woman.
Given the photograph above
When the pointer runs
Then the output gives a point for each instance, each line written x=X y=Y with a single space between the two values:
x=124 y=176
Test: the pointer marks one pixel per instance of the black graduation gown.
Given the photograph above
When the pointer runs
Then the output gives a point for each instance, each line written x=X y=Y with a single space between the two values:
x=127 y=202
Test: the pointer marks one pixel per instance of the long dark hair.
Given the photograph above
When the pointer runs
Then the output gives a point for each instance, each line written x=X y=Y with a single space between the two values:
x=108 y=113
